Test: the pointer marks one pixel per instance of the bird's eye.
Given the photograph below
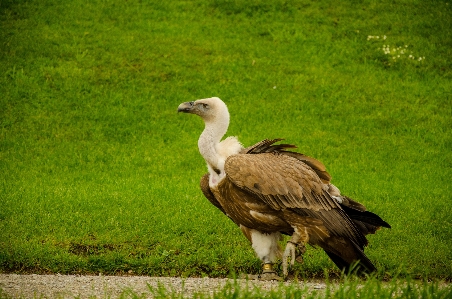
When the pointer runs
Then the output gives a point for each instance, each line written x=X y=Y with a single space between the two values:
x=191 y=103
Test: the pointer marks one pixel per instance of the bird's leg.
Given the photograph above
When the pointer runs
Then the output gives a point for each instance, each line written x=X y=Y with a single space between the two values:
x=297 y=241
x=267 y=268
x=268 y=273
x=266 y=247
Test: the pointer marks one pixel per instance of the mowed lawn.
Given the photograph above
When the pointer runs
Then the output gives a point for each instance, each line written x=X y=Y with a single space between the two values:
x=99 y=174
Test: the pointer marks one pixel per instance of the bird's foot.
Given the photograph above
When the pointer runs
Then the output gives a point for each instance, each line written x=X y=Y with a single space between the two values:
x=301 y=249
x=289 y=252
x=295 y=252
x=270 y=276
x=268 y=273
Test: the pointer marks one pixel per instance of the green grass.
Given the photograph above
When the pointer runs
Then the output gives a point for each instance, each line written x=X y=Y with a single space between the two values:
x=98 y=173
x=348 y=289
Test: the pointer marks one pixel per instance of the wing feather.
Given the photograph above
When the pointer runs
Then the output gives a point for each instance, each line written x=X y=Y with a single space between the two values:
x=279 y=180
x=286 y=183
x=268 y=146
x=204 y=184
x=266 y=183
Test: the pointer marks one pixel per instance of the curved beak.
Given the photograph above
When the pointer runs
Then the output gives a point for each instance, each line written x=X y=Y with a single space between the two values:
x=186 y=107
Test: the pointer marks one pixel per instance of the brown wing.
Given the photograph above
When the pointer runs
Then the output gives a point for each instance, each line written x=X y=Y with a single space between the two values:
x=279 y=180
x=316 y=165
x=268 y=146
x=284 y=182
x=204 y=184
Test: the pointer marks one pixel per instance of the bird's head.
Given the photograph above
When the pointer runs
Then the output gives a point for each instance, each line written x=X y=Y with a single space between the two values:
x=210 y=110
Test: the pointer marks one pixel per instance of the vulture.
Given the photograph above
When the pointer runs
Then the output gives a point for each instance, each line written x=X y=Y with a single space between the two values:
x=269 y=190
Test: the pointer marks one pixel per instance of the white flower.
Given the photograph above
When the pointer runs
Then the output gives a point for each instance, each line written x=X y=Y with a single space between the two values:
x=384 y=36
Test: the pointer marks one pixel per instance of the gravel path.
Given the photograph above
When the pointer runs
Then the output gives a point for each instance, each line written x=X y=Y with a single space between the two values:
x=70 y=286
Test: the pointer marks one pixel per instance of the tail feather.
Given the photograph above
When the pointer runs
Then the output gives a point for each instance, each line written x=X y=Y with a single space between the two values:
x=366 y=217
x=347 y=255
x=365 y=228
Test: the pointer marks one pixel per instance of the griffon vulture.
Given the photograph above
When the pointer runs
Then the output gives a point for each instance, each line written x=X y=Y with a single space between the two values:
x=268 y=190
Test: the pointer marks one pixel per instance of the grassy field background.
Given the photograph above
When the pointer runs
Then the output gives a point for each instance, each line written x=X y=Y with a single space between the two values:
x=99 y=174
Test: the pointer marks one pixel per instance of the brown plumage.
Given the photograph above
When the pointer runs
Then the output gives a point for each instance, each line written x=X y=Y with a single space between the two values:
x=268 y=190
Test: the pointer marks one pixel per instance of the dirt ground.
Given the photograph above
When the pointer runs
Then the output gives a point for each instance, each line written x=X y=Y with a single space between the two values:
x=70 y=286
